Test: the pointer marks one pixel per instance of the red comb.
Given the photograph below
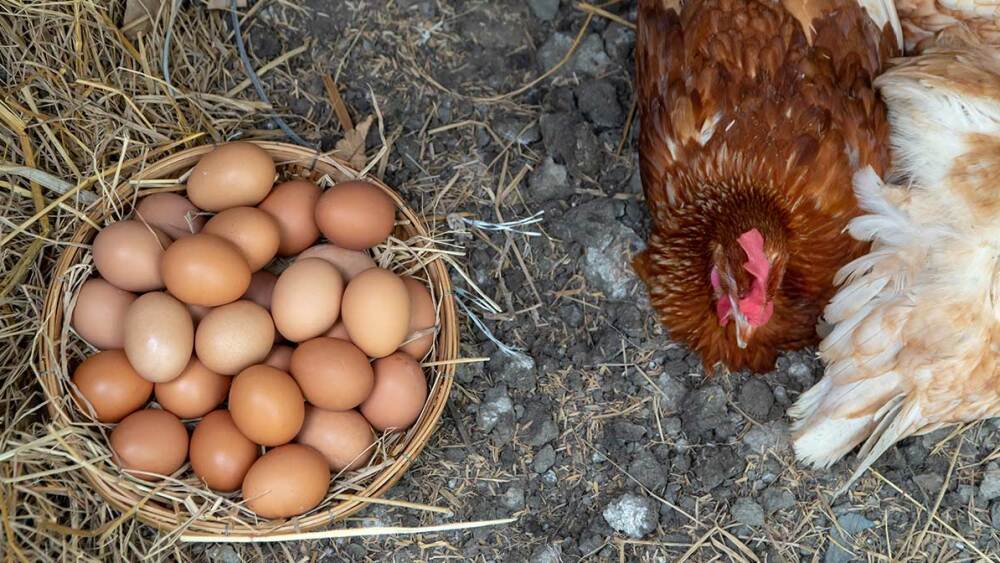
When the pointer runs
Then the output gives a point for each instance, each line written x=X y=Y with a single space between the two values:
x=752 y=242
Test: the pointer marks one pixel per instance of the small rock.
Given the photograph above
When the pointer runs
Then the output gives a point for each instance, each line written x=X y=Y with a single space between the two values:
x=703 y=410
x=995 y=515
x=747 y=512
x=627 y=432
x=608 y=246
x=544 y=459
x=672 y=426
x=930 y=483
x=756 y=399
x=516 y=369
x=495 y=404
x=775 y=499
x=765 y=437
x=222 y=553
x=599 y=102
x=550 y=477
x=544 y=10
x=851 y=523
x=648 y=471
x=672 y=393
x=618 y=41
x=514 y=498
x=548 y=553
x=549 y=181
x=590 y=57
x=542 y=433
x=553 y=50
x=517 y=131
x=572 y=140
x=989 y=488
x=802 y=374
x=717 y=465
x=632 y=515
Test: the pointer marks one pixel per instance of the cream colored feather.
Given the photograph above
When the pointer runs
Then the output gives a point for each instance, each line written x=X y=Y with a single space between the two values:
x=916 y=323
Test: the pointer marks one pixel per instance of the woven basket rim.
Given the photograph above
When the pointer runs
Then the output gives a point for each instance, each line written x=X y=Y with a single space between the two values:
x=122 y=493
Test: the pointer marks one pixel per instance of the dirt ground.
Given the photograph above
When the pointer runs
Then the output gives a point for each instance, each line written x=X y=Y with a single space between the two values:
x=603 y=438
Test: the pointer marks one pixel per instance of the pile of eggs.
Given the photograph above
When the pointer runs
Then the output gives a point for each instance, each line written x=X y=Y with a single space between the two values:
x=309 y=362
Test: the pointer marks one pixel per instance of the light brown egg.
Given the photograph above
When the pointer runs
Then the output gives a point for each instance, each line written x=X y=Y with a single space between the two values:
x=355 y=215
x=254 y=231
x=267 y=405
x=172 y=213
x=287 y=481
x=348 y=262
x=196 y=391
x=338 y=331
x=261 y=288
x=99 y=313
x=232 y=175
x=280 y=357
x=150 y=441
x=220 y=454
x=110 y=385
x=344 y=438
x=422 y=317
x=205 y=270
x=293 y=205
x=234 y=337
x=376 y=311
x=399 y=394
x=306 y=299
x=127 y=254
x=159 y=336
x=333 y=374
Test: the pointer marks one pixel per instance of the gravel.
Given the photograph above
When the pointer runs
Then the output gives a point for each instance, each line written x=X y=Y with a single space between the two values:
x=496 y=404
x=746 y=511
x=549 y=181
x=776 y=499
x=632 y=515
x=544 y=460
x=648 y=471
x=598 y=100
x=989 y=488
x=704 y=410
x=851 y=523
x=756 y=398
x=548 y=553
x=544 y=10
x=590 y=58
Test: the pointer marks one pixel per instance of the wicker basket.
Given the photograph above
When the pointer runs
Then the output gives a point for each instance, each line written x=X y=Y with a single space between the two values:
x=83 y=438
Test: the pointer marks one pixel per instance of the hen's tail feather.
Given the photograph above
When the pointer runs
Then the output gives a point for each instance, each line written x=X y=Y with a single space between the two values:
x=899 y=419
x=883 y=12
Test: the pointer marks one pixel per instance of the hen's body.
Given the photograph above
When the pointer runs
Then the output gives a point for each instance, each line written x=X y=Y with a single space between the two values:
x=755 y=114
x=921 y=19
x=916 y=340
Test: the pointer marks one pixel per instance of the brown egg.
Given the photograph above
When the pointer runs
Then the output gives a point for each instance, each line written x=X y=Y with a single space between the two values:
x=232 y=175
x=196 y=391
x=220 y=454
x=348 y=262
x=280 y=357
x=205 y=270
x=110 y=385
x=293 y=205
x=306 y=299
x=355 y=215
x=261 y=288
x=198 y=312
x=150 y=441
x=99 y=314
x=376 y=311
x=127 y=254
x=422 y=317
x=267 y=405
x=344 y=438
x=234 y=337
x=399 y=394
x=338 y=331
x=254 y=231
x=159 y=336
x=287 y=481
x=172 y=213
x=332 y=374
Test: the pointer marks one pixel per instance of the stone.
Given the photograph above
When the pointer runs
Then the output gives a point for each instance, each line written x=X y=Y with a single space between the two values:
x=544 y=459
x=851 y=523
x=747 y=512
x=989 y=487
x=516 y=369
x=930 y=483
x=632 y=515
x=548 y=553
x=572 y=140
x=495 y=404
x=648 y=471
x=995 y=515
x=704 y=410
x=514 y=498
x=775 y=499
x=755 y=399
x=766 y=437
x=598 y=100
x=549 y=181
x=590 y=58
x=618 y=41
x=608 y=246
x=544 y=10
x=222 y=553
x=542 y=432
x=672 y=393
x=553 y=50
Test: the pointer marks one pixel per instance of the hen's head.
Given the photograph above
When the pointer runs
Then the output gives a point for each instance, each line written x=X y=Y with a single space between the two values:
x=744 y=277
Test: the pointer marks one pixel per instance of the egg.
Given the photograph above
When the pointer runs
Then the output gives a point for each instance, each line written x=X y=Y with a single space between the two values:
x=99 y=314
x=150 y=441
x=339 y=331
x=159 y=336
x=205 y=270
x=232 y=175
x=280 y=357
x=293 y=205
x=333 y=374
x=422 y=318
x=267 y=405
x=220 y=454
x=399 y=394
x=173 y=213
x=355 y=215
x=253 y=231
x=110 y=385
x=128 y=254
x=376 y=311
x=306 y=299
x=287 y=481
x=348 y=262
x=344 y=438
x=195 y=392
x=261 y=288
x=234 y=337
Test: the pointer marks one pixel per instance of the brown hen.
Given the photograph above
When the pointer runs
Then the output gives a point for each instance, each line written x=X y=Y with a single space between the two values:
x=755 y=115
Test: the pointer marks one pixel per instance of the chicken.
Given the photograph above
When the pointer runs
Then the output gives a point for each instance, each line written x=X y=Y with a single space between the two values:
x=921 y=19
x=916 y=324
x=755 y=115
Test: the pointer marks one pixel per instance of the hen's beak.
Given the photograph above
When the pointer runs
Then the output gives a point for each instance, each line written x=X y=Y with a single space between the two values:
x=743 y=328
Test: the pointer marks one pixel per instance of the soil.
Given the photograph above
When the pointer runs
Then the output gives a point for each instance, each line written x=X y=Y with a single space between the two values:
x=603 y=438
